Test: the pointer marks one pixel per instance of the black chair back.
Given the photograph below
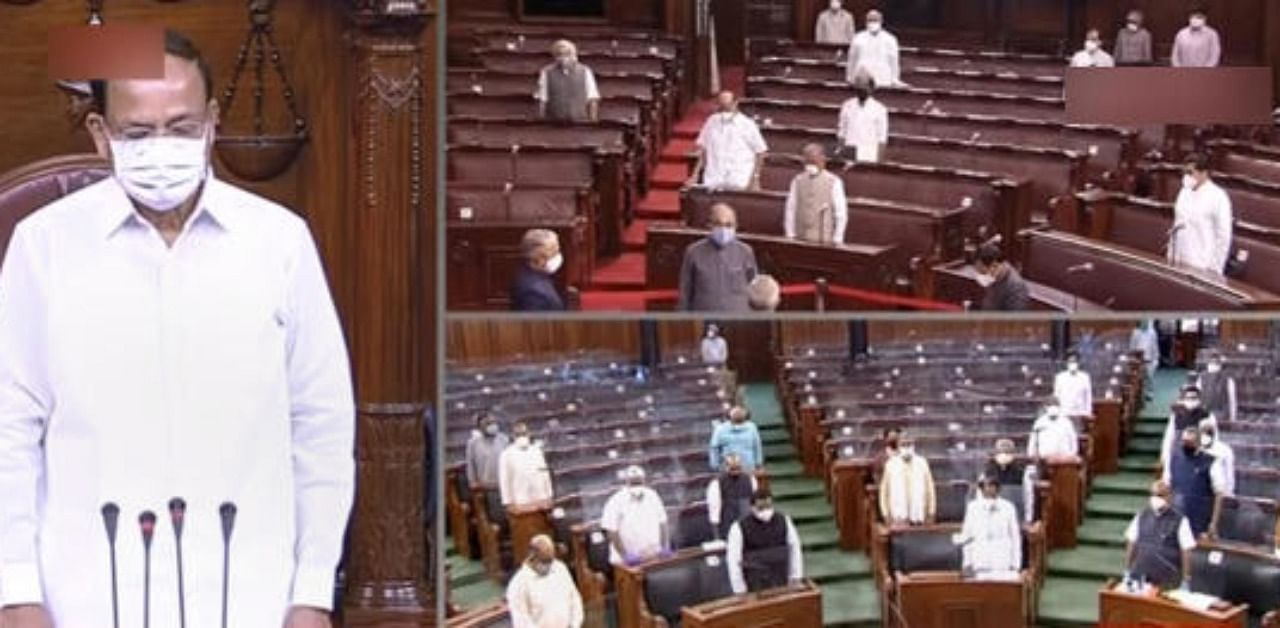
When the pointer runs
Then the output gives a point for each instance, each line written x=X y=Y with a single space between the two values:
x=673 y=586
x=913 y=550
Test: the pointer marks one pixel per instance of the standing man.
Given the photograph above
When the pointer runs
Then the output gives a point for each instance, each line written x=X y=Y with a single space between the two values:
x=1005 y=290
x=730 y=148
x=1159 y=542
x=1218 y=390
x=567 y=90
x=738 y=437
x=542 y=594
x=1144 y=340
x=715 y=351
x=817 y=209
x=1187 y=412
x=533 y=289
x=523 y=476
x=1133 y=42
x=875 y=52
x=763 y=549
x=1092 y=56
x=1053 y=435
x=483 y=452
x=835 y=25
x=1202 y=221
x=1196 y=480
x=991 y=534
x=1223 y=455
x=717 y=269
x=907 y=492
x=1074 y=389
x=635 y=519
x=162 y=334
x=729 y=495
x=1197 y=44
x=863 y=128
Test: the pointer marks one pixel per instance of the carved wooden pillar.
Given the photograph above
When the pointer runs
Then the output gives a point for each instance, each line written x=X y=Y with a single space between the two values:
x=390 y=242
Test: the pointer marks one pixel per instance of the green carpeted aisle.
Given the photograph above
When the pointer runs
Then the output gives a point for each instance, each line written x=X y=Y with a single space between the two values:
x=469 y=586
x=1070 y=594
x=849 y=596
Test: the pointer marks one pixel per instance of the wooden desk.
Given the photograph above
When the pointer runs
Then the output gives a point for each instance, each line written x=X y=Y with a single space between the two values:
x=1064 y=478
x=786 y=607
x=1126 y=609
x=947 y=600
x=527 y=522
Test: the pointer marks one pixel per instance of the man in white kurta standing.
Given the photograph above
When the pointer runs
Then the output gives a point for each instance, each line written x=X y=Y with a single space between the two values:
x=164 y=334
x=991 y=535
x=1053 y=435
x=875 y=51
x=1202 y=221
x=730 y=148
x=863 y=128
x=542 y=594
x=1074 y=389
x=835 y=25
x=635 y=519
x=523 y=475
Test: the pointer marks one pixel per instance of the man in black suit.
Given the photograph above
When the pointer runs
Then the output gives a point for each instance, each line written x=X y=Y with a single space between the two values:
x=533 y=289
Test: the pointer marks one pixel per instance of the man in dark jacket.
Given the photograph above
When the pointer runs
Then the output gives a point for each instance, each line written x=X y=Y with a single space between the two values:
x=1159 y=542
x=1005 y=289
x=533 y=289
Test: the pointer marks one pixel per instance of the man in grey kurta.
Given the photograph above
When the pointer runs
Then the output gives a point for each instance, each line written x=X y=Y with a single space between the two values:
x=718 y=268
x=567 y=90
x=482 y=453
x=1133 y=42
x=1197 y=45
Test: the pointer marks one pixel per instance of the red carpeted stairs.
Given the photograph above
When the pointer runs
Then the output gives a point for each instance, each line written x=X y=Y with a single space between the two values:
x=619 y=284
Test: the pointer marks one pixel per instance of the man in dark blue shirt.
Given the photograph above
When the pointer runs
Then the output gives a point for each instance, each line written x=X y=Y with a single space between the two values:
x=533 y=289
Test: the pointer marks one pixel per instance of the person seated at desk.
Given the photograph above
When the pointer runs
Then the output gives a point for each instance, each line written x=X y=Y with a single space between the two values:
x=523 y=476
x=817 y=209
x=1073 y=389
x=483 y=452
x=635 y=519
x=1005 y=289
x=763 y=549
x=542 y=594
x=907 y=492
x=1159 y=542
x=729 y=495
x=991 y=534
x=716 y=270
x=533 y=289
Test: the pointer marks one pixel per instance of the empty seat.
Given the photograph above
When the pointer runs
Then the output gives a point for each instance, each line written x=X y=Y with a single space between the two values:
x=673 y=586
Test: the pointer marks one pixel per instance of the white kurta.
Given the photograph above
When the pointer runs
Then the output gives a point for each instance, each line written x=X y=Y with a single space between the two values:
x=877 y=55
x=1074 y=393
x=730 y=145
x=907 y=490
x=863 y=127
x=839 y=209
x=1172 y=437
x=1096 y=59
x=714 y=499
x=550 y=601
x=834 y=27
x=637 y=522
x=733 y=556
x=1224 y=457
x=715 y=351
x=523 y=476
x=1202 y=220
x=1146 y=341
x=993 y=536
x=132 y=372
x=1053 y=437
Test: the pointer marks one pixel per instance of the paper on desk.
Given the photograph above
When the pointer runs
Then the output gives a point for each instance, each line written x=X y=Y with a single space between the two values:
x=1190 y=599
x=998 y=576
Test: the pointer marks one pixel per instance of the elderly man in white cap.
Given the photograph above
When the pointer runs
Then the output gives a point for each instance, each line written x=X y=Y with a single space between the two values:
x=636 y=521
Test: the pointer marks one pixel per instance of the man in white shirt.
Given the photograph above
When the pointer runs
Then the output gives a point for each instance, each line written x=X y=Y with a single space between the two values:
x=1202 y=221
x=1144 y=339
x=1218 y=389
x=1197 y=44
x=991 y=535
x=816 y=209
x=907 y=492
x=1223 y=456
x=1093 y=56
x=863 y=128
x=763 y=549
x=875 y=51
x=715 y=351
x=523 y=476
x=835 y=25
x=729 y=495
x=164 y=334
x=635 y=519
x=567 y=89
x=541 y=594
x=1053 y=435
x=1159 y=541
x=730 y=148
x=1074 y=389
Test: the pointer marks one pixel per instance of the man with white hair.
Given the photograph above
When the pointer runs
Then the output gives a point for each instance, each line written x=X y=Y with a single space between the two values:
x=730 y=148
x=764 y=294
x=875 y=51
x=533 y=288
x=635 y=520
x=567 y=90
x=835 y=25
x=816 y=209
x=542 y=594
x=715 y=351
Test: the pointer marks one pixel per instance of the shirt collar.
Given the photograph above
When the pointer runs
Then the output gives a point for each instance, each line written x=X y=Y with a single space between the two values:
x=119 y=211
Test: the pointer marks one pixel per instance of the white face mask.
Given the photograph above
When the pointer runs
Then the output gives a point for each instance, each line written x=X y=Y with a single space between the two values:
x=907 y=451
x=1053 y=411
x=1003 y=459
x=491 y=429
x=564 y=60
x=1091 y=46
x=874 y=27
x=1197 y=22
x=1072 y=367
x=812 y=170
x=522 y=442
x=636 y=492
x=764 y=514
x=553 y=265
x=160 y=173
x=984 y=280
x=835 y=5
x=1213 y=368
x=1158 y=503
x=1206 y=440
x=1191 y=404
x=1189 y=182
x=1134 y=26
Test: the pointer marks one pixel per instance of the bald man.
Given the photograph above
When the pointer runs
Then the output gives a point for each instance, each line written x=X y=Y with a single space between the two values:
x=717 y=269
x=541 y=594
x=730 y=148
x=1159 y=541
x=817 y=209
x=875 y=51
x=764 y=294
x=567 y=90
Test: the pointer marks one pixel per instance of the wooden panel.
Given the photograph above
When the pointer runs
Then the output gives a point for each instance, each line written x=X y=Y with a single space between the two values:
x=490 y=341
x=795 y=335
x=881 y=331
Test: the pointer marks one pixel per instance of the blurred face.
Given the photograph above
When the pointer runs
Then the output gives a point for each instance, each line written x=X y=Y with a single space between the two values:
x=564 y=55
x=722 y=218
x=733 y=466
x=990 y=490
x=1093 y=42
x=541 y=557
x=763 y=509
x=1197 y=21
x=875 y=22
x=1135 y=20
x=815 y=157
x=1190 y=440
x=726 y=102
x=1191 y=400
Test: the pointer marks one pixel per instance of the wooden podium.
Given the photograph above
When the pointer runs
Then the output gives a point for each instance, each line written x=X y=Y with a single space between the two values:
x=1120 y=608
x=527 y=522
x=1065 y=495
x=786 y=607
x=946 y=599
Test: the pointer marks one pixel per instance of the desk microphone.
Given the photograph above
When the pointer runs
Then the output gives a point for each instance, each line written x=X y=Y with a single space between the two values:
x=178 y=512
x=227 y=512
x=110 y=517
x=146 y=523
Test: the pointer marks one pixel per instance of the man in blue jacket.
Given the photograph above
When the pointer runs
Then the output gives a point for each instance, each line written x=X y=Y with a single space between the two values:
x=533 y=289
x=738 y=436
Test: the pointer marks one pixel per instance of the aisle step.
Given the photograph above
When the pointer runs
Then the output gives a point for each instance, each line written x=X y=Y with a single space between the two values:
x=818 y=535
x=833 y=565
x=1108 y=505
x=1103 y=531
x=851 y=604
x=1124 y=483
x=1067 y=602
x=1087 y=561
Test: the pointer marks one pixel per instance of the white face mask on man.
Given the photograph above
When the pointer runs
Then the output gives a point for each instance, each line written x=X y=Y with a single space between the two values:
x=553 y=265
x=160 y=173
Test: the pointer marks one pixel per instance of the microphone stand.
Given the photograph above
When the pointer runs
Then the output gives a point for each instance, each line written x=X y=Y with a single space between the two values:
x=147 y=523
x=227 y=512
x=177 y=513
x=110 y=517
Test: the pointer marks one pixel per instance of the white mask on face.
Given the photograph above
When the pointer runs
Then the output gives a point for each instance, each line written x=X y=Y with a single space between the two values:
x=1213 y=368
x=1003 y=459
x=1206 y=441
x=1133 y=26
x=636 y=492
x=1091 y=46
x=1158 y=503
x=907 y=451
x=835 y=5
x=764 y=514
x=1197 y=22
x=812 y=170
x=491 y=429
x=160 y=173
x=1188 y=182
x=874 y=27
x=522 y=442
x=554 y=264
x=984 y=280
x=1191 y=404
x=1072 y=367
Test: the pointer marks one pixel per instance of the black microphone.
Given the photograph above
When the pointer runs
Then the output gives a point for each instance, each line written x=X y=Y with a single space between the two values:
x=110 y=517
x=227 y=511
x=177 y=512
x=147 y=523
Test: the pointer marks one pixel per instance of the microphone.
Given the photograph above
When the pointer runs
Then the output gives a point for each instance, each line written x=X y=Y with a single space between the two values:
x=177 y=512
x=110 y=517
x=227 y=511
x=1086 y=267
x=147 y=523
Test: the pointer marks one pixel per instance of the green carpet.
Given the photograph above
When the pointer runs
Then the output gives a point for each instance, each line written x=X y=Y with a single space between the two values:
x=1070 y=594
x=469 y=586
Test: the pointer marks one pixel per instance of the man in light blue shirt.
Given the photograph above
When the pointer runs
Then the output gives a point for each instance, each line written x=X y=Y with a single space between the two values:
x=738 y=436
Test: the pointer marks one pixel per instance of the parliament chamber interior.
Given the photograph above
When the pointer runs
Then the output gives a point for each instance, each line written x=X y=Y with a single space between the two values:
x=980 y=148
